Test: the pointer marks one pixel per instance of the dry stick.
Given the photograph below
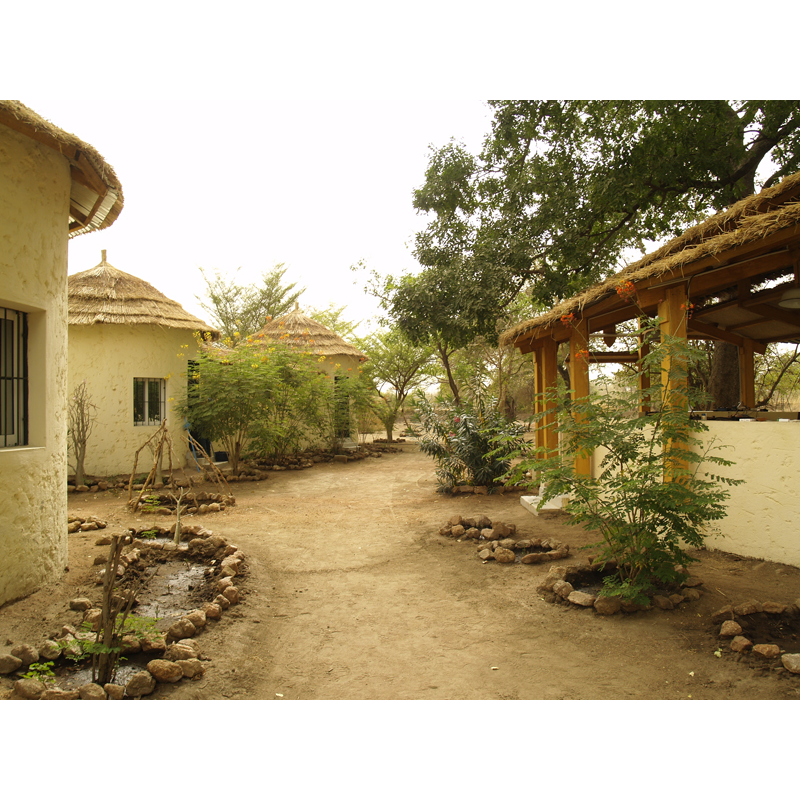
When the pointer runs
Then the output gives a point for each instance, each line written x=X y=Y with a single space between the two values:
x=215 y=470
x=105 y=662
x=135 y=463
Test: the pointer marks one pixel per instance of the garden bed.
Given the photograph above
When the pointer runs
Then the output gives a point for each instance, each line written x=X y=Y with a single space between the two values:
x=181 y=590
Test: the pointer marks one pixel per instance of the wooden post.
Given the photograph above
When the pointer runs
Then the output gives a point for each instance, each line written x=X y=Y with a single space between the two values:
x=672 y=310
x=644 y=375
x=546 y=379
x=579 y=379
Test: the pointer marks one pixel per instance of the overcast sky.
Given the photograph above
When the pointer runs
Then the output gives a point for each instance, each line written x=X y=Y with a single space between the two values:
x=316 y=183
x=249 y=134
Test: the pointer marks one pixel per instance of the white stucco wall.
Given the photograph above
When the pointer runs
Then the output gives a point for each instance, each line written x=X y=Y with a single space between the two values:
x=764 y=512
x=108 y=358
x=34 y=213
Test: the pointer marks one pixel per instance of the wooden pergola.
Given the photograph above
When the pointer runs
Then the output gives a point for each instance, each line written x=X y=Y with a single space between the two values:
x=732 y=278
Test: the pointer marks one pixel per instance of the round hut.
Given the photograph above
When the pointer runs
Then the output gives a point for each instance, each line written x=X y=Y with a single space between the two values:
x=337 y=358
x=298 y=330
x=131 y=345
x=53 y=186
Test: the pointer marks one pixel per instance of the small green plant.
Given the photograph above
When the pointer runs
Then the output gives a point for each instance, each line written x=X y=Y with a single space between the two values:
x=653 y=495
x=471 y=442
x=42 y=671
x=148 y=534
x=141 y=627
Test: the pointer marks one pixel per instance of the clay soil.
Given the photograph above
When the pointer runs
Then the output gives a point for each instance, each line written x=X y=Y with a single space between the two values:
x=350 y=593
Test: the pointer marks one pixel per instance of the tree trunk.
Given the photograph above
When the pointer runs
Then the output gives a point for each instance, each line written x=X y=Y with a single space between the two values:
x=444 y=355
x=724 y=381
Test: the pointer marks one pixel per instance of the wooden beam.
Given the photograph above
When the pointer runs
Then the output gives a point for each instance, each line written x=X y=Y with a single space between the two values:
x=712 y=332
x=774 y=314
x=93 y=180
x=732 y=274
x=673 y=315
x=644 y=375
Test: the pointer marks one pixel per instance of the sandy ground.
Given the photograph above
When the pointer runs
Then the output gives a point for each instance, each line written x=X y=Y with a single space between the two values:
x=350 y=593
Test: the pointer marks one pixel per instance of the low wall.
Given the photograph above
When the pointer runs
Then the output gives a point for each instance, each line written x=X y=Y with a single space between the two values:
x=763 y=512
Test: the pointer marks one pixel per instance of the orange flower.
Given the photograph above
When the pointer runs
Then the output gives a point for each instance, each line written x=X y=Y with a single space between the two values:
x=582 y=355
x=627 y=291
x=567 y=319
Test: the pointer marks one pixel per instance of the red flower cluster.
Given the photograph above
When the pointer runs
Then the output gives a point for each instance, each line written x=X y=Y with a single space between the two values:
x=627 y=291
x=582 y=355
x=688 y=308
x=568 y=319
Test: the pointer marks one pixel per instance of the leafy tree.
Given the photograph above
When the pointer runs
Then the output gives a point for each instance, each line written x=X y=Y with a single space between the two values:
x=563 y=188
x=778 y=376
x=333 y=318
x=238 y=311
x=421 y=309
x=396 y=367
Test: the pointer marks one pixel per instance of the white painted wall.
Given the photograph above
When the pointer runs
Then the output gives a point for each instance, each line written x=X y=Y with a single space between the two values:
x=763 y=518
x=34 y=212
x=108 y=358
x=764 y=512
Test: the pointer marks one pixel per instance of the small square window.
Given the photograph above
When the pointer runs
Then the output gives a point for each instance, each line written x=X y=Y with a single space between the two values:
x=149 y=401
x=13 y=378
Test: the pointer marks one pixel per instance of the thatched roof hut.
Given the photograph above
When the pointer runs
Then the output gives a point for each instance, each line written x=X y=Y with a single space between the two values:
x=297 y=330
x=107 y=295
x=96 y=194
x=710 y=245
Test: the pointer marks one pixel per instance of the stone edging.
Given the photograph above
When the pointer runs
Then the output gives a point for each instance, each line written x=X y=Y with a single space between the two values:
x=740 y=644
x=497 y=544
x=178 y=653
x=557 y=587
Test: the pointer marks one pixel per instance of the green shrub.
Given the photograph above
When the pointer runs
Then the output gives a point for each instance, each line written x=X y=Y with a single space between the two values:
x=653 y=496
x=471 y=442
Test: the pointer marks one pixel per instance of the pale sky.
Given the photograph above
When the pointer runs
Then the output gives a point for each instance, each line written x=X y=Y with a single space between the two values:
x=247 y=134
x=316 y=183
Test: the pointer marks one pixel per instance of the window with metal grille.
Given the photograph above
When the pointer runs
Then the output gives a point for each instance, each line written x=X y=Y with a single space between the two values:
x=13 y=378
x=149 y=401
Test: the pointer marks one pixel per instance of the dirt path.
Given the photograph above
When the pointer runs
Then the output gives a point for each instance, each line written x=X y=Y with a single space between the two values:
x=351 y=593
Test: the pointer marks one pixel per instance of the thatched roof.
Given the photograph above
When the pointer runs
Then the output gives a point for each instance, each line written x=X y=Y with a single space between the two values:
x=96 y=193
x=107 y=295
x=298 y=330
x=749 y=220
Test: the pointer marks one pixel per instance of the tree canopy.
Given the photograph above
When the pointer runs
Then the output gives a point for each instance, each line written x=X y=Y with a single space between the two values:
x=238 y=311
x=562 y=189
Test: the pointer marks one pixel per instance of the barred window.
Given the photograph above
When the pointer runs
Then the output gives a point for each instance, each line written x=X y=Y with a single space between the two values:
x=13 y=378
x=149 y=401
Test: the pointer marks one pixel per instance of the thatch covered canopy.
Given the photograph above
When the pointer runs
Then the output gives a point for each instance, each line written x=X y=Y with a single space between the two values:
x=107 y=295
x=725 y=264
x=297 y=330
x=96 y=193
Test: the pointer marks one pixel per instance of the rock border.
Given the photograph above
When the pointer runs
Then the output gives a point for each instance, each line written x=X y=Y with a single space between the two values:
x=558 y=586
x=177 y=654
x=732 y=630
x=497 y=543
